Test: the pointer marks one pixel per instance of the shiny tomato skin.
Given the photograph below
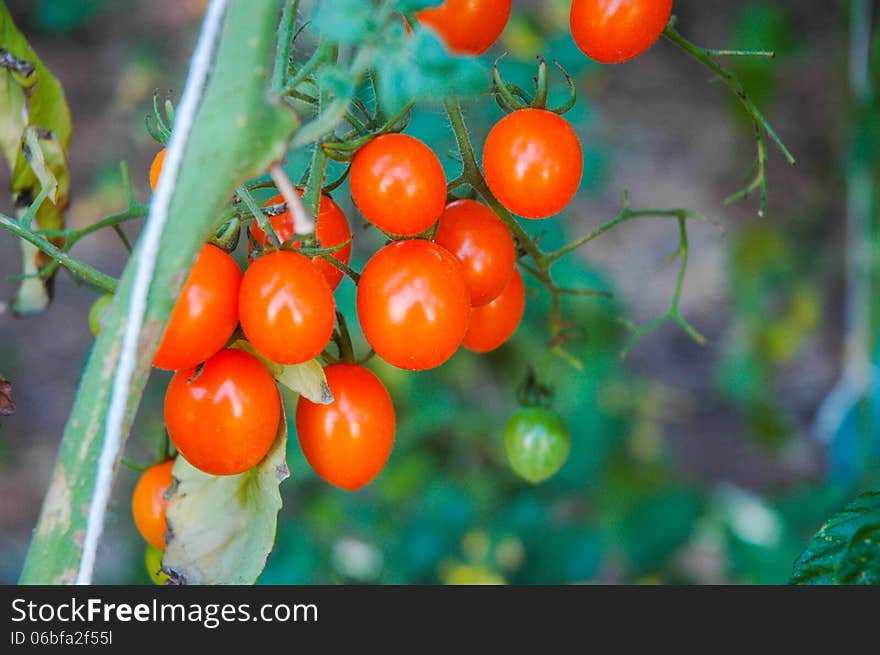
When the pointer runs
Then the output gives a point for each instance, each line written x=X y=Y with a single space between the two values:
x=493 y=324
x=482 y=243
x=614 y=31
x=533 y=162
x=413 y=303
x=224 y=417
x=332 y=229
x=205 y=314
x=286 y=307
x=468 y=27
x=398 y=184
x=348 y=442
x=156 y=169
x=148 y=503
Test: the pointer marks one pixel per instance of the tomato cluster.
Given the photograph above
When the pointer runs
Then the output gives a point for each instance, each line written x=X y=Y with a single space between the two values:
x=446 y=278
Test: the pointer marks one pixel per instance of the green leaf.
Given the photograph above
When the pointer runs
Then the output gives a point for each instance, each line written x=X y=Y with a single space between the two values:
x=222 y=528
x=846 y=550
x=33 y=107
x=343 y=21
x=335 y=82
x=306 y=379
x=421 y=67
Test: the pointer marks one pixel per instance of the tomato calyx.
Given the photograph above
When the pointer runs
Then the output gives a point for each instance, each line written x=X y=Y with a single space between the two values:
x=534 y=393
x=161 y=132
x=511 y=97
x=346 y=148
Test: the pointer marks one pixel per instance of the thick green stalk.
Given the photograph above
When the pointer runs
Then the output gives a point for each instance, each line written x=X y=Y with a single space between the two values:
x=237 y=133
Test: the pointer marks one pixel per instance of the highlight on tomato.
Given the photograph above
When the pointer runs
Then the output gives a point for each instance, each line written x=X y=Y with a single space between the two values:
x=349 y=441
x=398 y=184
x=467 y=27
x=533 y=162
x=615 y=31
x=413 y=303
x=286 y=307
x=223 y=417
x=205 y=314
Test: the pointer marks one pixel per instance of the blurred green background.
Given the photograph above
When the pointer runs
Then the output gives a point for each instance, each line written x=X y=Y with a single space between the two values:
x=689 y=464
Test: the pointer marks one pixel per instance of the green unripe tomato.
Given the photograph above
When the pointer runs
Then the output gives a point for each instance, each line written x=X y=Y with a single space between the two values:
x=98 y=312
x=153 y=561
x=536 y=442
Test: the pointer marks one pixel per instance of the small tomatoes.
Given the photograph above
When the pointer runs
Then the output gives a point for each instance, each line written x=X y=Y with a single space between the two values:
x=398 y=184
x=331 y=228
x=493 y=324
x=148 y=503
x=156 y=169
x=224 y=417
x=468 y=26
x=205 y=314
x=482 y=243
x=286 y=307
x=536 y=443
x=348 y=441
x=533 y=162
x=414 y=304
x=613 y=31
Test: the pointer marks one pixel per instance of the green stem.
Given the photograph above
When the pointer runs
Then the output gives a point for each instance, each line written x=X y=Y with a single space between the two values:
x=284 y=44
x=258 y=215
x=93 y=275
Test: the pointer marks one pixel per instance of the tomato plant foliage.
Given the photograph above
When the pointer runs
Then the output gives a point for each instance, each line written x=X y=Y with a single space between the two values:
x=846 y=550
x=332 y=108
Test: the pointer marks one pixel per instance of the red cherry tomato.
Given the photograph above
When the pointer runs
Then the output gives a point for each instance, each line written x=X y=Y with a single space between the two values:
x=493 y=324
x=205 y=314
x=533 y=162
x=398 y=184
x=468 y=26
x=613 y=31
x=482 y=243
x=348 y=442
x=156 y=169
x=413 y=303
x=148 y=503
x=332 y=229
x=286 y=307
x=223 y=418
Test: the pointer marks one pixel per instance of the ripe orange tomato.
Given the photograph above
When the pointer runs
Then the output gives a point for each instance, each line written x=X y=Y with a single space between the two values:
x=348 y=442
x=482 y=243
x=156 y=169
x=493 y=324
x=468 y=26
x=533 y=162
x=224 y=418
x=398 y=184
x=205 y=314
x=413 y=303
x=286 y=307
x=148 y=503
x=613 y=31
x=332 y=229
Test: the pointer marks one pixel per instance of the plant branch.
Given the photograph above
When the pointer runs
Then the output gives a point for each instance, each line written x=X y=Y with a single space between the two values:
x=761 y=124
